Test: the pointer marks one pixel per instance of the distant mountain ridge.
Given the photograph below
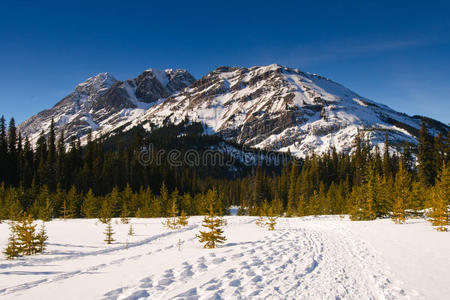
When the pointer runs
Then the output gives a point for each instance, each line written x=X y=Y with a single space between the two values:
x=102 y=102
x=269 y=107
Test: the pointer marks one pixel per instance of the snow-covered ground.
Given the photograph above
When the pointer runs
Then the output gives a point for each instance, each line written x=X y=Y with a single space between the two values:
x=304 y=258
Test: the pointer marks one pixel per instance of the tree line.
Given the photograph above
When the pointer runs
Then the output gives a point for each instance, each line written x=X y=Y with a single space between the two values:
x=52 y=180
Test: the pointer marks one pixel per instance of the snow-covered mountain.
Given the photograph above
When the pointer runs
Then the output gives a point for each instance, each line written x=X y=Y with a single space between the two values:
x=101 y=103
x=270 y=107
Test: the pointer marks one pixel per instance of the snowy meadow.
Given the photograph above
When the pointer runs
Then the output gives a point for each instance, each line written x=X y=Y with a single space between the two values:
x=327 y=257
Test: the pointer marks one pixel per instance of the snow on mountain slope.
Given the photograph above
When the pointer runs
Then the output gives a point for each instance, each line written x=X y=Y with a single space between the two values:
x=278 y=108
x=102 y=103
x=304 y=258
x=270 y=107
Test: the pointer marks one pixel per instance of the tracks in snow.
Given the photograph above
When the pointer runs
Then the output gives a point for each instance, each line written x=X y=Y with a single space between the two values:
x=308 y=261
x=292 y=264
x=67 y=275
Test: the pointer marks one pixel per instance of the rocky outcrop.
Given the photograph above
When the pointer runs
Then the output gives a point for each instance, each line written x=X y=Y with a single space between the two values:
x=270 y=107
x=279 y=108
x=102 y=103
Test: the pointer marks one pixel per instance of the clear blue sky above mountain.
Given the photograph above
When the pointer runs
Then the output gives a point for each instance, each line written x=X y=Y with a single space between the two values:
x=393 y=52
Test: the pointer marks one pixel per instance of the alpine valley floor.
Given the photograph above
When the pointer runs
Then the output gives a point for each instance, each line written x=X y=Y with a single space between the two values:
x=304 y=258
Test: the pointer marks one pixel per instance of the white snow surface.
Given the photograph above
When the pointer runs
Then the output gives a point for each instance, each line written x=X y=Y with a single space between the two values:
x=304 y=258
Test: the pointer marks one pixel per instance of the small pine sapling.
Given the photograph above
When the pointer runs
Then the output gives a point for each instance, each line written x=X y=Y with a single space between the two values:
x=183 y=219
x=12 y=250
x=171 y=221
x=125 y=214
x=28 y=239
x=214 y=235
x=131 y=230
x=46 y=211
x=41 y=239
x=66 y=211
x=105 y=214
x=271 y=220
x=109 y=233
x=261 y=221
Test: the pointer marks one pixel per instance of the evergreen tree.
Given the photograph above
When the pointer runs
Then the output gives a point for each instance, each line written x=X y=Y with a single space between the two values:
x=73 y=199
x=261 y=221
x=51 y=158
x=417 y=197
x=27 y=236
x=125 y=214
x=164 y=202
x=425 y=157
x=46 y=211
x=186 y=204
x=271 y=219
x=440 y=213
x=27 y=164
x=387 y=167
x=106 y=212
x=277 y=207
x=109 y=233
x=358 y=160
x=384 y=195
x=267 y=217
x=171 y=221
x=441 y=149
x=3 y=149
x=61 y=175
x=12 y=249
x=41 y=239
x=291 y=210
x=301 y=206
x=292 y=193
x=88 y=208
x=155 y=208
x=13 y=155
x=358 y=201
x=314 y=205
x=402 y=195
x=65 y=210
x=130 y=230
x=214 y=234
x=15 y=212
x=183 y=219
x=263 y=212
x=370 y=196
x=407 y=157
x=258 y=189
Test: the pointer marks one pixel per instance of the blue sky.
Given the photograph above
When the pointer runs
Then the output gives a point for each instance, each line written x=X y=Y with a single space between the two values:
x=393 y=52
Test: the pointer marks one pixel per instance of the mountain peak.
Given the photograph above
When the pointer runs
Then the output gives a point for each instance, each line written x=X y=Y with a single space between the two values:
x=279 y=108
x=95 y=83
x=271 y=107
x=102 y=102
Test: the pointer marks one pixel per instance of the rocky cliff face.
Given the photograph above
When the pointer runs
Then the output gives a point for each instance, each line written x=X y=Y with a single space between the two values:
x=278 y=108
x=270 y=107
x=102 y=103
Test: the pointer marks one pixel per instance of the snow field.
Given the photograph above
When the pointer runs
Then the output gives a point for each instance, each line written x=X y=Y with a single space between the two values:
x=304 y=258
